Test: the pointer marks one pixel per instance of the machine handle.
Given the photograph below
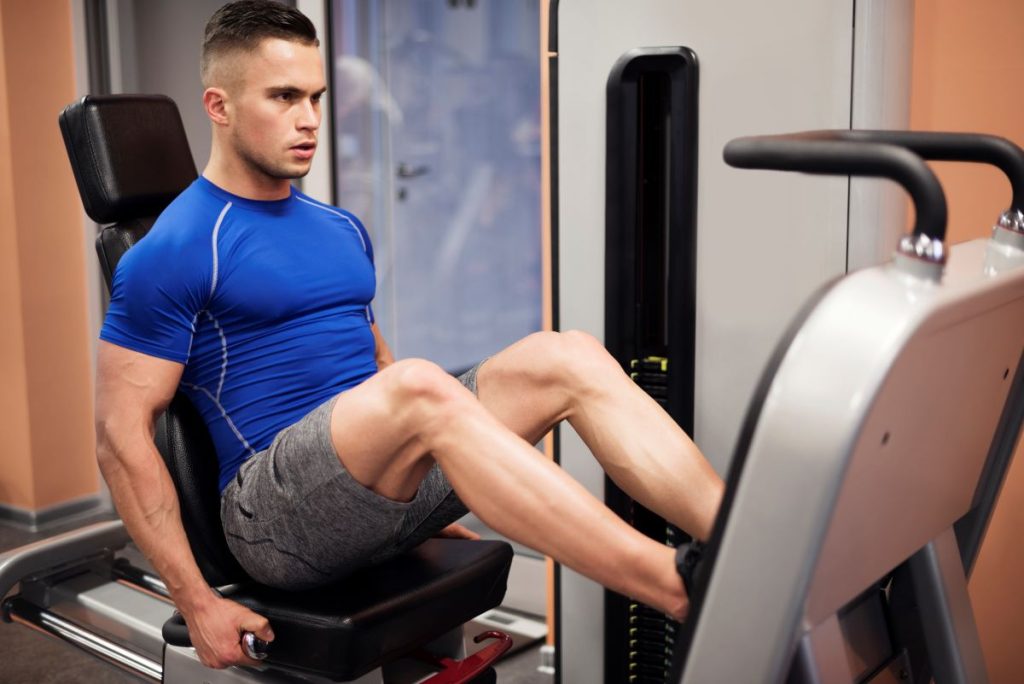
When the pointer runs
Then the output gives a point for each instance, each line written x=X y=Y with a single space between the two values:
x=175 y=633
x=959 y=147
x=462 y=671
x=823 y=152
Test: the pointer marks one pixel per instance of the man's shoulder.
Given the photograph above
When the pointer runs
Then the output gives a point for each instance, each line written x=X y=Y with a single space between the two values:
x=189 y=219
x=193 y=210
x=182 y=232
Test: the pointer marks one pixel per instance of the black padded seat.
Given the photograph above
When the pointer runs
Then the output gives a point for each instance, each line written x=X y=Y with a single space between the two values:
x=130 y=159
x=382 y=612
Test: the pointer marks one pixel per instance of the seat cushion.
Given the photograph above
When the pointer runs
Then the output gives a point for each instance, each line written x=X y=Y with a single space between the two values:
x=379 y=613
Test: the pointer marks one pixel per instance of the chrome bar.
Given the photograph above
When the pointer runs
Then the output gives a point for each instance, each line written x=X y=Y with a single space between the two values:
x=21 y=611
x=950 y=632
x=138 y=578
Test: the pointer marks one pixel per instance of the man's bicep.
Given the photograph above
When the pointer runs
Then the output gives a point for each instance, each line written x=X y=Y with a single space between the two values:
x=154 y=309
x=133 y=384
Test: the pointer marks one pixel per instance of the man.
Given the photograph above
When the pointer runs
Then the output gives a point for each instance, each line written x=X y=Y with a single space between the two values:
x=254 y=299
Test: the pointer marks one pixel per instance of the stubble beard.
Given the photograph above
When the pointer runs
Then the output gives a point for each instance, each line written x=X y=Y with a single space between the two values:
x=261 y=165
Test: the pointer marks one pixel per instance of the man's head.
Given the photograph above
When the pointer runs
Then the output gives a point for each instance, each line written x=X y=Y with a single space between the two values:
x=263 y=79
x=240 y=27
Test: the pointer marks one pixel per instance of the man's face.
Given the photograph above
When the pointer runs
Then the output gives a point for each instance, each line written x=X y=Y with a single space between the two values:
x=275 y=107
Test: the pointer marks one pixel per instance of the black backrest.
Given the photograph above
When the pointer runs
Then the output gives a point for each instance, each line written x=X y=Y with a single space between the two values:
x=130 y=158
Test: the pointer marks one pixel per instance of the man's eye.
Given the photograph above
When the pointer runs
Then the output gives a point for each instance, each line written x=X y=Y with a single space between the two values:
x=283 y=97
x=316 y=98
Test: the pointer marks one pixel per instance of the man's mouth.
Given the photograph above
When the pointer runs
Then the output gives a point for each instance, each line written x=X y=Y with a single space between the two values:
x=304 y=150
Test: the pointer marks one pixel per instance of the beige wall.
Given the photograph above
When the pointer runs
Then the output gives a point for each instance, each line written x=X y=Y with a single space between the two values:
x=968 y=75
x=46 y=395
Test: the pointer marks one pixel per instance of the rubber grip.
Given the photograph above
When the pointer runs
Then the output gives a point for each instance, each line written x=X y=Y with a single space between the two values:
x=823 y=152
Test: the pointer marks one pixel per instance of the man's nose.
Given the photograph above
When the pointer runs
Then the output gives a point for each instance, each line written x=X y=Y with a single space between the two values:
x=309 y=116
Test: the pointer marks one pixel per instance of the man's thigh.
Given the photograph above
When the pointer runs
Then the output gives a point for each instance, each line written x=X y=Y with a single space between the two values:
x=295 y=517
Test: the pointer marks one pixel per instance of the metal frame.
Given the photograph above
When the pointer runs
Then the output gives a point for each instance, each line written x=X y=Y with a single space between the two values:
x=877 y=470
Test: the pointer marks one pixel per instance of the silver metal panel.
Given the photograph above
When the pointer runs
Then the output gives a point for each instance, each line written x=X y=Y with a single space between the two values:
x=847 y=648
x=60 y=550
x=882 y=50
x=826 y=650
x=147 y=669
x=814 y=421
x=914 y=471
x=765 y=241
x=182 y=666
x=128 y=615
x=526 y=580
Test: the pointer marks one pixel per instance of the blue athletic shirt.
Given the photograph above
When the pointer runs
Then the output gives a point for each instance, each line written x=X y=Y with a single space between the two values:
x=266 y=303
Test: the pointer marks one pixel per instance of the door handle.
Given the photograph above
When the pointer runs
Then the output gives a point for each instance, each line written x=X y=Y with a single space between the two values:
x=407 y=171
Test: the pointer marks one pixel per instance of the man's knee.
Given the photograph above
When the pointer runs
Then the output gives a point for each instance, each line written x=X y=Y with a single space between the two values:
x=568 y=357
x=418 y=381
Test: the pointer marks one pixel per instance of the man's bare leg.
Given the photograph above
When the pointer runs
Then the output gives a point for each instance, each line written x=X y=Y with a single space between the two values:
x=548 y=377
x=390 y=429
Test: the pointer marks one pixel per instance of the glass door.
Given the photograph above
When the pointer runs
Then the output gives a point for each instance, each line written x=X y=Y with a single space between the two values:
x=437 y=110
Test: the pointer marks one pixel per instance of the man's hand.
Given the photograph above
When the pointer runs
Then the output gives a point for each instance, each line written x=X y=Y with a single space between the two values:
x=216 y=629
x=457 y=531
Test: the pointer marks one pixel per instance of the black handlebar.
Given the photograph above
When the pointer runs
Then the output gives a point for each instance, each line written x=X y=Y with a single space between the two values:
x=175 y=631
x=960 y=147
x=826 y=152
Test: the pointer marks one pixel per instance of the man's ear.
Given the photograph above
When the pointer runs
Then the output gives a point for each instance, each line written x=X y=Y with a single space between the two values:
x=215 y=102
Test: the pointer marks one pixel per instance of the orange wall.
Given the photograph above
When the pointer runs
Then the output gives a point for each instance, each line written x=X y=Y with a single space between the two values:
x=46 y=395
x=968 y=75
x=16 y=473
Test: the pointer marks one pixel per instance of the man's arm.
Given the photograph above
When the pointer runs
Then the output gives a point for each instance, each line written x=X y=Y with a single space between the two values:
x=132 y=390
x=383 y=353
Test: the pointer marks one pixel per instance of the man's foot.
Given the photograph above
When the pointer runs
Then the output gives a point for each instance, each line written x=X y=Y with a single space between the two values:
x=688 y=558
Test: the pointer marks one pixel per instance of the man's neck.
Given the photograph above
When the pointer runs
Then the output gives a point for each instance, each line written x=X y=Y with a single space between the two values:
x=241 y=180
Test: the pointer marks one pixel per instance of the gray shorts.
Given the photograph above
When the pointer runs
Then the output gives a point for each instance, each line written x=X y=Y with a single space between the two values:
x=295 y=518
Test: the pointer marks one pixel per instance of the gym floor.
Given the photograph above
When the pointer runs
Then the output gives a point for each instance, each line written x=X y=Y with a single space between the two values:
x=27 y=657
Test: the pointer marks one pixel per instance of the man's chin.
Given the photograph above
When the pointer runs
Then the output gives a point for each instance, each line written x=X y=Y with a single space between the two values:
x=292 y=173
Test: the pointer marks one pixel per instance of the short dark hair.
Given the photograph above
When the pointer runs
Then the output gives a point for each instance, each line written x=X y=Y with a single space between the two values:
x=243 y=24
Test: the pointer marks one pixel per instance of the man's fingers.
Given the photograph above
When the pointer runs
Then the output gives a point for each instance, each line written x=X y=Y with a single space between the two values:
x=466 y=532
x=259 y=626
x=457 y=531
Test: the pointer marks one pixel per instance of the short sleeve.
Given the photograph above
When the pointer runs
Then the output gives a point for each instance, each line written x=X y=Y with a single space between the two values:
x=154 y=302
x=362 y=232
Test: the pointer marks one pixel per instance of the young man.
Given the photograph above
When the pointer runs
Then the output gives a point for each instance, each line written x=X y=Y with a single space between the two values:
x=254 y=300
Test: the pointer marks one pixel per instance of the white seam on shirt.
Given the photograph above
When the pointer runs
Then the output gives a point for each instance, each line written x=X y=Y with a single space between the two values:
x=223 y=412
x=216 y=230
x=339 y=215
x=223 y=353
x=192 y=337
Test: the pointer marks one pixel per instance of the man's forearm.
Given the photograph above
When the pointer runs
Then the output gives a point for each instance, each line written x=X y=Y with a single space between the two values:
x=145 y=498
